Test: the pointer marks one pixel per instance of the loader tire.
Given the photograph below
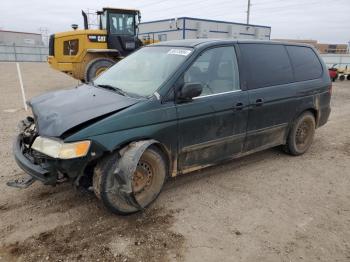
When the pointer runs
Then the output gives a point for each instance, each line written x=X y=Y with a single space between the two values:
x=96 y=67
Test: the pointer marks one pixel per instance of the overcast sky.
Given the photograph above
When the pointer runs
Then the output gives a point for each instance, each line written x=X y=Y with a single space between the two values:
x=323 y=20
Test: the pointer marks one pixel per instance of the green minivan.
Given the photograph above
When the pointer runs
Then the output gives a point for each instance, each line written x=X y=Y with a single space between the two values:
x=172 y=108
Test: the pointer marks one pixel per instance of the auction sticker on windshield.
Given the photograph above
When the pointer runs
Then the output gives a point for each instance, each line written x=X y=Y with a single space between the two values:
x=183 y=52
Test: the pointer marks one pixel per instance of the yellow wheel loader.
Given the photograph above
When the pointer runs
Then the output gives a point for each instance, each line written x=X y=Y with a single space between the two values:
x=84 y=54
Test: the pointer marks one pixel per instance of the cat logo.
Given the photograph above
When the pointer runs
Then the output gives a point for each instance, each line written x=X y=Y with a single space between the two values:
x=97 y=38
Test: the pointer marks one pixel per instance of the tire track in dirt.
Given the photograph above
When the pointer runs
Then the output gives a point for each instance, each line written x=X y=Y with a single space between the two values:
x=92 y=238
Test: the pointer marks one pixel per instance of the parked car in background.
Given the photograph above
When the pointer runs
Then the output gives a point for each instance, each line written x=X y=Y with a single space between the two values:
x=172 y=108
x=339 y=71
x=333 y=73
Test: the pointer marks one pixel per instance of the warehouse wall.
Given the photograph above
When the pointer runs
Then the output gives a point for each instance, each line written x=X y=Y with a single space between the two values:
x=189 y=28
x=162 y=30
x=200 y=28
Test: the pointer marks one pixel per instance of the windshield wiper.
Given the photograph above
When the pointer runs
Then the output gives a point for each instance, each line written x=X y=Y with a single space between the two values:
x=114 y=88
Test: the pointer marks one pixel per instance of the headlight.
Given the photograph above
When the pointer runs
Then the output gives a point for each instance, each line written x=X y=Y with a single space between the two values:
x=58 y=149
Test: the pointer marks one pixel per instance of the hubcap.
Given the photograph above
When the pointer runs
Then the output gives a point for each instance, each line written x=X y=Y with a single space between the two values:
x=303 y=134
x=100 y=71
x=142 y=178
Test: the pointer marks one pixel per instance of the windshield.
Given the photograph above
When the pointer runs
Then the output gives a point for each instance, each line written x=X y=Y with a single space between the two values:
x=122 y=24
x=144 y=71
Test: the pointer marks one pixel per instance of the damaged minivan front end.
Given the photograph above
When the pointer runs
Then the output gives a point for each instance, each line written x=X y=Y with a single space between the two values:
x=40 y=148
x=50 y=161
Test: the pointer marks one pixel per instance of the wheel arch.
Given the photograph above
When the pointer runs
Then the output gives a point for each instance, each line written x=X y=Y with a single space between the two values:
x=125 y=166
x=152 y=143
x=312 y=110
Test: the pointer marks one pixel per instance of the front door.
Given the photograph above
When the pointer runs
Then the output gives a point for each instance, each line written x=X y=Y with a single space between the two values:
x=212 y=127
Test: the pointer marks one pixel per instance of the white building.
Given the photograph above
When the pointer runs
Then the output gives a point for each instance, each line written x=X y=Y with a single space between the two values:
x=20 y=38
x=22 y=46
x=190 y=28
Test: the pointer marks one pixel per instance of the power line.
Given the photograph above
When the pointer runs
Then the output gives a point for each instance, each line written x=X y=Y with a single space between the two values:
x=185 y=6
x=154 y=3
x=289 y=6
x=268 y=2
x=182 y=9
x=200 y=8
x=270 y=9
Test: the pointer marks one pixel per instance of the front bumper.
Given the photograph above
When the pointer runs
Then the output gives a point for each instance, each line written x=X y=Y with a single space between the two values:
x=51 y=171
x=26 y=163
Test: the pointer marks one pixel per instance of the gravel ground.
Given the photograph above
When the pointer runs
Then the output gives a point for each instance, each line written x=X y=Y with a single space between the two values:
x=264 y=207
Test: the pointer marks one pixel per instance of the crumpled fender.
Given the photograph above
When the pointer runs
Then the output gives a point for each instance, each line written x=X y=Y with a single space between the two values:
x=126 y=166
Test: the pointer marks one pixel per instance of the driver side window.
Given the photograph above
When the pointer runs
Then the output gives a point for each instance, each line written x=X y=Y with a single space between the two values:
x=216 y=69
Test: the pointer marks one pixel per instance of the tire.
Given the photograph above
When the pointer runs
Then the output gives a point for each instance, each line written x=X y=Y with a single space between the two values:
x=151 y=163
x=342 y=77
x=348 y=77
x=97 y=66
x=301 y=134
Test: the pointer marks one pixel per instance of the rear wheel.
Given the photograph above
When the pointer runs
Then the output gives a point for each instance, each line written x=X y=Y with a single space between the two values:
x=301 y=135
x=147 y=182
x=342 y=77
x=96 y=67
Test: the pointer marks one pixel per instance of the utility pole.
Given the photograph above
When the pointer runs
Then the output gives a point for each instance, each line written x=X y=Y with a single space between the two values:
x=44 y=31
x=248 y=12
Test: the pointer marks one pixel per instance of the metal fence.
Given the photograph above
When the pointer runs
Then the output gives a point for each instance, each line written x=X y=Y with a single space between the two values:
x=21 y=53
x=339 y=59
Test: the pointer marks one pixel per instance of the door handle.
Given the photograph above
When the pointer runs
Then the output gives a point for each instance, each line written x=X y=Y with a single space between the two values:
x=259 y=102
x=238 y=106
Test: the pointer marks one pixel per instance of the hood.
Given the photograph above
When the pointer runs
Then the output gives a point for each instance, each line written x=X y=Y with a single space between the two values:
x=80 y=32
x=57 y=112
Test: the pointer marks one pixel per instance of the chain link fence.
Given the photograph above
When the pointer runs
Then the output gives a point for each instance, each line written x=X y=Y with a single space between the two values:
x=21 y=53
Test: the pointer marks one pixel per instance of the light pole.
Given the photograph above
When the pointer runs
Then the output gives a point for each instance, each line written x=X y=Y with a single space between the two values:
x=248 y=12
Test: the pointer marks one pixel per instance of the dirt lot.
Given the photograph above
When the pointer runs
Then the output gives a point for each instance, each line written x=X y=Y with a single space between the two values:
x=265 y=207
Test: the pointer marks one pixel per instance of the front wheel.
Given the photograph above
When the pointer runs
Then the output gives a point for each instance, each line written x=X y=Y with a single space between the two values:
x=96 y=67
x=301 y=134
x=147 y=181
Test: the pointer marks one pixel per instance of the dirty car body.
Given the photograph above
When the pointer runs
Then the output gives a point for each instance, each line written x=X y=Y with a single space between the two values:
x=199 y=103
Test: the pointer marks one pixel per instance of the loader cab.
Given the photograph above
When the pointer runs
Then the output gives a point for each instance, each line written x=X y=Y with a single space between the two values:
x=121 y=28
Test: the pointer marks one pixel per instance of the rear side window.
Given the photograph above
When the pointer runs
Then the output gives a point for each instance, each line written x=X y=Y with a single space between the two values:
x=269 y=65
x=305 y=63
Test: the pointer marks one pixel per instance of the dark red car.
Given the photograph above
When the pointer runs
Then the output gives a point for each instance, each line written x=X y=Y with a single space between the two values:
x=333 y=73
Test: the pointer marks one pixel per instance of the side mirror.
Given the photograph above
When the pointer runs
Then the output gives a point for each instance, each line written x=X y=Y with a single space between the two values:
x=189 y=91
